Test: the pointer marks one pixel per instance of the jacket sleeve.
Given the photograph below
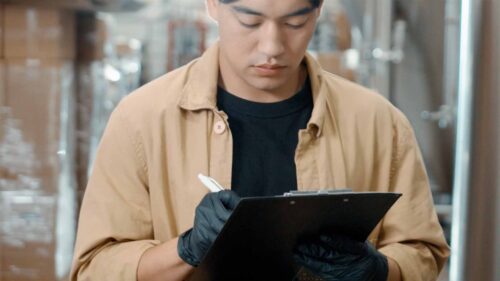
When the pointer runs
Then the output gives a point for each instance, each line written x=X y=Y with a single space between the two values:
x=115 y=226
x=411 y=233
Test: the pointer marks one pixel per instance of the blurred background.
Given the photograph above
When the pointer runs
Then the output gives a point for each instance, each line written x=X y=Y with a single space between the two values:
x=65 y=64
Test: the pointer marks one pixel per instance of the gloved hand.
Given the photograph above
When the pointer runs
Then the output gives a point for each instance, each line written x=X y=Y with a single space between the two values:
x=211 y=215
x=339 y=258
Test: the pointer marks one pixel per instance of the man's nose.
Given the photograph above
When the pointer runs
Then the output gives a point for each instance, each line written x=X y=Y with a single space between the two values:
x=271 y=41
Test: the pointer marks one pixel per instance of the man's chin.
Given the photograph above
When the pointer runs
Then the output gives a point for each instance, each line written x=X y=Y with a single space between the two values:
x=267 y=84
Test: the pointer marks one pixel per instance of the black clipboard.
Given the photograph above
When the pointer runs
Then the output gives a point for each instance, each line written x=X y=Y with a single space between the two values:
x=256 y=242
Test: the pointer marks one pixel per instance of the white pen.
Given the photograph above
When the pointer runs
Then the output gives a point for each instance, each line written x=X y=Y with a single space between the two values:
x=210 y=183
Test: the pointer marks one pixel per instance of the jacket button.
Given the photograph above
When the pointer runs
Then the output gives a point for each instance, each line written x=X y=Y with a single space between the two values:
x=219 y=127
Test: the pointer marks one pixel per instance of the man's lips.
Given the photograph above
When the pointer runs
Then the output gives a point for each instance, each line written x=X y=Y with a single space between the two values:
x=269 y=70
x=270 y=66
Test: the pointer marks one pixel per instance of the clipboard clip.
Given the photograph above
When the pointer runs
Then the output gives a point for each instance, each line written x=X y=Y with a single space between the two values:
x=316 y=192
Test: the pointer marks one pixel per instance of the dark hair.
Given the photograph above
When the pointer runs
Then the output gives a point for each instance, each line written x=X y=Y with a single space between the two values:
x=314 y=3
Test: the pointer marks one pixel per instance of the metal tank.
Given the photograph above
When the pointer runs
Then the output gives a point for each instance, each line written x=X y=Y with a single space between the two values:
x=400 y=45
x=476 y=198
x=438 y=62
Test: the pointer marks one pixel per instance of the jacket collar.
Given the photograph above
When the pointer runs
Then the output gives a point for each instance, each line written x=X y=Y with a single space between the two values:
x=319 y=93
x=200 y=90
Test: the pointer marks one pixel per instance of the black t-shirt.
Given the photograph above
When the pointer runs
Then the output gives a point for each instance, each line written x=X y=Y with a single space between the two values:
x=265 y=136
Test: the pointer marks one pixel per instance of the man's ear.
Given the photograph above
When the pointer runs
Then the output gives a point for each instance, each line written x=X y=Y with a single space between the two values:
x=212 y=6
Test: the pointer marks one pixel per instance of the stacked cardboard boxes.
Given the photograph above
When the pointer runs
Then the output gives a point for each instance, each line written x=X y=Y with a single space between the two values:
x=49 y=85
x=67 y=4
x=2 y=78
x=1 y=30
x=3 y=120
x=37 y=200
x=38 y=33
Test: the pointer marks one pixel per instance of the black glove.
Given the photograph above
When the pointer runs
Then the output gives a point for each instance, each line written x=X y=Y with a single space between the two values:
x=339 y=258
x=211 y=214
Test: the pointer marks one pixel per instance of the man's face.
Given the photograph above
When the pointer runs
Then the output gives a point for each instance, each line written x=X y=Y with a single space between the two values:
x=262 y=42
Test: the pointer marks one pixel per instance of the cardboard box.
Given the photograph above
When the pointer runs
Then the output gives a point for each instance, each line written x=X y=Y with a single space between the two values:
x=28 y=239
x=2 y=83
x=39 y=95
x=38 y=33
x=36 y=170
x=343 y=31
x=93 y=41
x=59 y=4
x=1 y=30
x=332 y=62
x=72 y=4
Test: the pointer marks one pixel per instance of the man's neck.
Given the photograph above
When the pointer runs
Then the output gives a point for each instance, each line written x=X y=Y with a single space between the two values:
x=246 y=91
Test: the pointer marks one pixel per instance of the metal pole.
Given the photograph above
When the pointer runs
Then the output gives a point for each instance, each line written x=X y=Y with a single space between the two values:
x=496 y=22
x=496 y=160
x=451 y=55
x=383 y=40
x=461 y=188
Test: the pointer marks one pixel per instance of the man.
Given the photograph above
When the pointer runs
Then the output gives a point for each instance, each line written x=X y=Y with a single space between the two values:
x=261 y=117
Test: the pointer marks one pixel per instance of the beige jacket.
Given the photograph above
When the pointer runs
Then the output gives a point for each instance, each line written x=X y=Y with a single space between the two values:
x=144 y=188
